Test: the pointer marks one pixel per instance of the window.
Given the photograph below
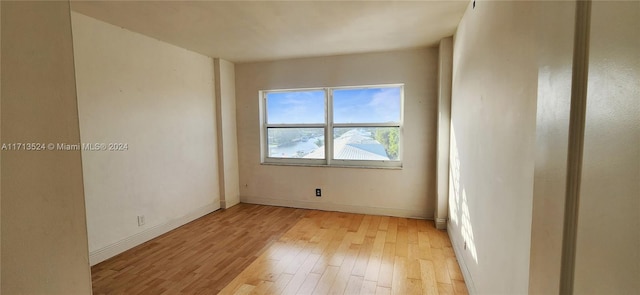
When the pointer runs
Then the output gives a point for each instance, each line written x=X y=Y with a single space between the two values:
x=338 y=126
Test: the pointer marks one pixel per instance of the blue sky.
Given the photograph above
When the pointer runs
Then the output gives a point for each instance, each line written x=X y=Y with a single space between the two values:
x=295 y=107
x=373 y=105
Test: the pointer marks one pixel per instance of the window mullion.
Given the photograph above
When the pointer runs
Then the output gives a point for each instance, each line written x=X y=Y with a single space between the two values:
x=328 y=146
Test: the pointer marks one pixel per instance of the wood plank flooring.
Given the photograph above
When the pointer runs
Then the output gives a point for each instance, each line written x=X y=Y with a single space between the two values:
x=252 y=249
x=200 y=257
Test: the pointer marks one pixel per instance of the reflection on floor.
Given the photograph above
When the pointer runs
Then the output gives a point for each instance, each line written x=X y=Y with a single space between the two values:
x=252 y=249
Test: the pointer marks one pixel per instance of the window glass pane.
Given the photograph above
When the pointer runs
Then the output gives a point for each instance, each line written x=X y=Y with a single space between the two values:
x=375 y=143
x=295 y=107
x=296 y=143
x=366 y=105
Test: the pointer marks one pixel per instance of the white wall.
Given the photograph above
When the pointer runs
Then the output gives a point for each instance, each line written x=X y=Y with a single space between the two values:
x=44 y=234
x=158 y=99
x=608 y=239
x=512 y=83
x=554 y=33
x=493 y=115
x=445 y=64
x=227 y=136
x=406 y=192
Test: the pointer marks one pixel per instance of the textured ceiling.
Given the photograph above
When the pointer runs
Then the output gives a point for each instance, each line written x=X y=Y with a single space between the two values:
x=243 y=31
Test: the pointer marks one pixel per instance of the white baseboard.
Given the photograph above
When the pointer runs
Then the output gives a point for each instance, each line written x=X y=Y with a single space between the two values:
x=233 y=202
x=337 y=207
x=468 y=280
x=224 y=204
x=125 y=244
x=441 y=223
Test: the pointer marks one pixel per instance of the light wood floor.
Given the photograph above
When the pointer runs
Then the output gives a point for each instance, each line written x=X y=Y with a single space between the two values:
x=252 y=249
x=200 y=257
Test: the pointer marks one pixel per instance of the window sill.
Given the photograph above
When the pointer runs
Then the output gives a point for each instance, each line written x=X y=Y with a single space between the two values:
x=331 y=166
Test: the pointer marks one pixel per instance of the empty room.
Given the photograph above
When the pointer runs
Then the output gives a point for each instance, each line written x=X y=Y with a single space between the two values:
x=319 y=147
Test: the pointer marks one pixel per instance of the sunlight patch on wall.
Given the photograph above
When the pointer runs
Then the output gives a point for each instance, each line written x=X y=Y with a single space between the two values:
x=454 y=180
x=458 y=205
x=467 y=229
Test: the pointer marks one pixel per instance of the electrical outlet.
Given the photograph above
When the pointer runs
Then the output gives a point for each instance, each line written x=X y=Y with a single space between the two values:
x=318 y=192
x=140 y=220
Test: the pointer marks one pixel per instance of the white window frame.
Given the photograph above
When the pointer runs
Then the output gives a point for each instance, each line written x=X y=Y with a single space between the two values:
x=328 y=127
